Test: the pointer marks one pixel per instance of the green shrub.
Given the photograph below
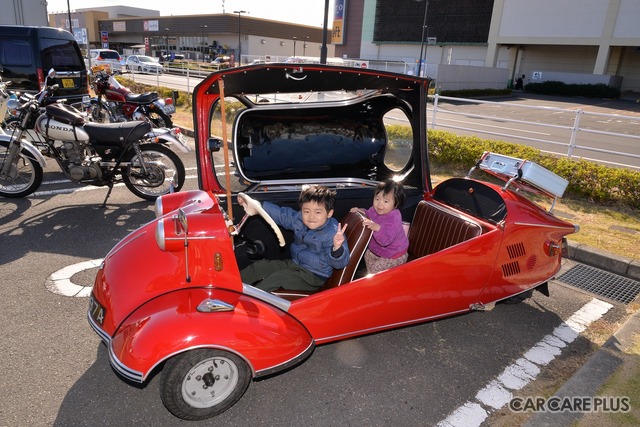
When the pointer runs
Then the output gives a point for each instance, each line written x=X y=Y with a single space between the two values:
x=599 y=90
x=593 y=181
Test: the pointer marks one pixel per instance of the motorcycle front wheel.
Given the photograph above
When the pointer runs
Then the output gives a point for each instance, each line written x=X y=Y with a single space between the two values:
x=164 y=170
x=24 y=177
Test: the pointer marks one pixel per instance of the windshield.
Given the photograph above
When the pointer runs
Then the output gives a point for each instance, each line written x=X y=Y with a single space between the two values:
x=145 y=59
x=60 y=54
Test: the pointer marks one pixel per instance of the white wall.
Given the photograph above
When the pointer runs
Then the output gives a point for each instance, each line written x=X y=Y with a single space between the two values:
x=457 y=77
x=23 y=12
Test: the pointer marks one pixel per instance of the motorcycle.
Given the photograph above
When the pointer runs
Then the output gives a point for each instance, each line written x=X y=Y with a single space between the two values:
x=115 y=103
x=88 y=153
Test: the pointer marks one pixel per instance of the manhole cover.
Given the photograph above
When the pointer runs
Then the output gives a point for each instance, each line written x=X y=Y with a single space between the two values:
x=602 y=283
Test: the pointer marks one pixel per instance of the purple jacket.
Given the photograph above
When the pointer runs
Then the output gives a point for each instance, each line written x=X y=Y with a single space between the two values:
x=390 y=241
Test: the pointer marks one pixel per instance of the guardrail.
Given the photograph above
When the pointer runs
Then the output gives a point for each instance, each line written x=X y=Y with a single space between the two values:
x=573 y=129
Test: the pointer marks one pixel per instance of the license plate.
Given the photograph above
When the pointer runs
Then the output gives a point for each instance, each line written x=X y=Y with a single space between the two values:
x=169 y=109
x=68 y=83
x=96 y=311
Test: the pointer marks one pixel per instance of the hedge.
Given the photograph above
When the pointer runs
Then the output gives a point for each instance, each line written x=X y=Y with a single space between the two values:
x=593 y=181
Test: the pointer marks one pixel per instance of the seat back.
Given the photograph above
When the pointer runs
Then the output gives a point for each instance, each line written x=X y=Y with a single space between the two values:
x=357 y=237
x=435 y=227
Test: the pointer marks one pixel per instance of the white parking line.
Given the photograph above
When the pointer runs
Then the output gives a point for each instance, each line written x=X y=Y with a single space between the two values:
x=496 y=394
x=83 y=188
x=60 y=282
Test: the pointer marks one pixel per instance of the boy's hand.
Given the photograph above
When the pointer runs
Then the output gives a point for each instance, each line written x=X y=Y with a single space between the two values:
x=338 y=239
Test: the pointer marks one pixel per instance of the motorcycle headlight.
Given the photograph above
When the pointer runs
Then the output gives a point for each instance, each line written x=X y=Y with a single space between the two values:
x=12 y=106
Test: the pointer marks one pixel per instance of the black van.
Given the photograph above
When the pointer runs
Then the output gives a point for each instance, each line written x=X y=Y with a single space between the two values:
x=28 y=53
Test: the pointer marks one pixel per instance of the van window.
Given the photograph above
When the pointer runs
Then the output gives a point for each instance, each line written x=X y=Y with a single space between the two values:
x=60 y=54
x=15 y=51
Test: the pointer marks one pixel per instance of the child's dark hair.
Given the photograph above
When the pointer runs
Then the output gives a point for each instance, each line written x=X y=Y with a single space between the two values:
x=319 y=194
x=389 y=185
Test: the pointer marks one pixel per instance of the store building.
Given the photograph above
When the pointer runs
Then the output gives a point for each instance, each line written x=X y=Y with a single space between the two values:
x=196 y=37
x=573 y=41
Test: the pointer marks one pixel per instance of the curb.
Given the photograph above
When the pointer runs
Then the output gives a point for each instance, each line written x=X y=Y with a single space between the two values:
x=604 y=260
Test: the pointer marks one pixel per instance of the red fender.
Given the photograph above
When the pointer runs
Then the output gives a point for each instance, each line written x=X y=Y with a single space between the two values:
x=266 y=337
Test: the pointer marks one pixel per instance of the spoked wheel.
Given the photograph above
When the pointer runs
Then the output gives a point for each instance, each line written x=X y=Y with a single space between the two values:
x=163 y=168
x=159 y=119
x=24 y=177
x=203 y=383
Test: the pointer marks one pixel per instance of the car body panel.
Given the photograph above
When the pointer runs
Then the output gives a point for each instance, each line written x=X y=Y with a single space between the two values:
x=170 y=324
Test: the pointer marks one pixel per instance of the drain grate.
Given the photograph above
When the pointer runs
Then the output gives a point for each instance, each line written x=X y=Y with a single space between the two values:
x=602 y=283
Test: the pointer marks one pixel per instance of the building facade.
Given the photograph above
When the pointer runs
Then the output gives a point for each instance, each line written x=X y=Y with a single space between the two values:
x=197 y=37
x=575 y=41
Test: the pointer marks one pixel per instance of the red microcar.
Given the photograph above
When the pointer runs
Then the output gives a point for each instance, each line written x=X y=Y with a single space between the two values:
x=169 y=296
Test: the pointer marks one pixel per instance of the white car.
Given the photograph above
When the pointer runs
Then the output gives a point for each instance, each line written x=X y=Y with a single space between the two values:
x=101 y=57
x=144 y=64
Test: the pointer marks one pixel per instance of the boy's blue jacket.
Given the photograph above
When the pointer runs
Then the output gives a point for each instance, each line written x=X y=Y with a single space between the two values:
x=310 y=249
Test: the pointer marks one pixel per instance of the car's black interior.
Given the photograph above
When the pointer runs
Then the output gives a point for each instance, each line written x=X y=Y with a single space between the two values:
x=472 y=197
x=344 y=141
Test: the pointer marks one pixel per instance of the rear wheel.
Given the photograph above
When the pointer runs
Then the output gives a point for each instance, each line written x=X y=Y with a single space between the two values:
x=160 y=119
x=24 y=177
x=164 y=169
x=203 y=383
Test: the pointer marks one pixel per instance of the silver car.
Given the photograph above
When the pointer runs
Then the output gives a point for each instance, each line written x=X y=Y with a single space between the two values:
x=143 y=64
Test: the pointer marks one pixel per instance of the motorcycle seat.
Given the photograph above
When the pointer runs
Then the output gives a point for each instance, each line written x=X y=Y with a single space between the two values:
x=142 y=98
x=118 y=133
x=64 y=114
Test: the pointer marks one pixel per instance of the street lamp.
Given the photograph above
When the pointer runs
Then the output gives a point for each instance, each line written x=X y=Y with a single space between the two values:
x=325 y=32
x=424 y=26
x=304 y=45
x=202 y=28
x=239 y=12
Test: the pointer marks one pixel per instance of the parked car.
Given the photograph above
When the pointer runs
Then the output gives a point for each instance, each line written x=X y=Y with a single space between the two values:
x=28 y=53
x=106 y=57
x=143 y=64
x=169 y=296
x=171 y=57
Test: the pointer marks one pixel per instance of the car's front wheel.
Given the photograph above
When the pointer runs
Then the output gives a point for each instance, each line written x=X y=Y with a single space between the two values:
x=202 y=383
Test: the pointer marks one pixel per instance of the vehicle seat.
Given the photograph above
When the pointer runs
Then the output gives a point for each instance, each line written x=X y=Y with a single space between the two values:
x=436 y=227
x=357 y=236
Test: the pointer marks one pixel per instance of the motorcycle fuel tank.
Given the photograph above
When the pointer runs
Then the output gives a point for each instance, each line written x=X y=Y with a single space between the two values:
x=60 y=131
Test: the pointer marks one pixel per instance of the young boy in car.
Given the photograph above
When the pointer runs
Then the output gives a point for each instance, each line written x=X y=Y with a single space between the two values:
x=318 y=248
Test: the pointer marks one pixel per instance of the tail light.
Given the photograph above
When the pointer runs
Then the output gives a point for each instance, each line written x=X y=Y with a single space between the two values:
x=168 y=101
x=40 y=78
